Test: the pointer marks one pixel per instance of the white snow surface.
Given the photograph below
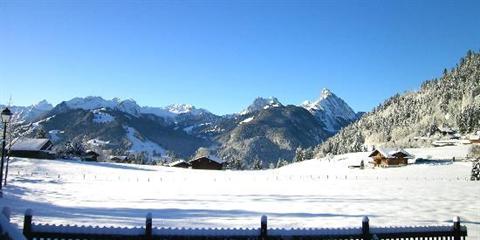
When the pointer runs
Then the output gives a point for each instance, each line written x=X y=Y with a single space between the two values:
x=313 y=193
x=246 y=120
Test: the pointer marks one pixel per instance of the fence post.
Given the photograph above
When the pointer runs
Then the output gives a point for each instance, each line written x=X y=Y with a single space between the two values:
x=366 y=228
x=456 y=228
x=148 y=227
x=27 y=224
x=6 y=212
x=263 y=228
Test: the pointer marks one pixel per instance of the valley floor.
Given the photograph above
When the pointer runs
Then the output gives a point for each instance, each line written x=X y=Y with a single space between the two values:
x=314 y=193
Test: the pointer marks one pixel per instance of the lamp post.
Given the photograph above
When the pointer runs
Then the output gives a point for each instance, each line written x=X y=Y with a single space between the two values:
x=5 y=115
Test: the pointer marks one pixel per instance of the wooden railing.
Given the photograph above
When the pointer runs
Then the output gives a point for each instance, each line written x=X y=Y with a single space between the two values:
x=365 y=232
x=8 y=231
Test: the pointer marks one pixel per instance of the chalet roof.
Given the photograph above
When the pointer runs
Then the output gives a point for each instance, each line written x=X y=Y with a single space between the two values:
x=391 y=152
x=175 y=163
x=30 y=144
x=91 y=152
x=123 y=158
x=446 y=130
x=474 y=137
x=211 y=157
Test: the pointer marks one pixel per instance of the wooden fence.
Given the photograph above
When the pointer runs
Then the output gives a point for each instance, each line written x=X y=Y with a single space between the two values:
x=365 y=232
x=8 y=231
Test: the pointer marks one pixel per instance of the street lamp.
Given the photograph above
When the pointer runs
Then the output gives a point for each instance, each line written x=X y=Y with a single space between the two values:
x=6 y=115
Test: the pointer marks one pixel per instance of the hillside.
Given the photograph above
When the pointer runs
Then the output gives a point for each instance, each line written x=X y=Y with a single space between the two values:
x=271 y=134
x=417 y=118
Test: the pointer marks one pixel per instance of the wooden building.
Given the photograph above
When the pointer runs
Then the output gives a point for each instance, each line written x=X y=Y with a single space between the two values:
x=91 y=156
x=207 y=162
x=384 y=157
x=474 y=139
x=32 y=148
x=119 y=159
x=180 y=164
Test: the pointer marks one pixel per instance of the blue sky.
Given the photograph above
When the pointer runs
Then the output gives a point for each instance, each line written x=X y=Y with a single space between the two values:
x=220 y=55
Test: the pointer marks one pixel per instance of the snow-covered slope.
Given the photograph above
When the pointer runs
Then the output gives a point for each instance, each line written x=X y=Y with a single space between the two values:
x=331 y=110
x=138 y=144
x=315 y=193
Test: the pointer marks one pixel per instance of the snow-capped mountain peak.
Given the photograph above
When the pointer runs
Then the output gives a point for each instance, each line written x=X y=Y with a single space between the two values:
x=43 y=105
x=179 y=108
x=325 y=93
x=331 y=110
x=184 y=108
x=261 y=103
x=91 y=102
x=129 y=106
x=29 y=113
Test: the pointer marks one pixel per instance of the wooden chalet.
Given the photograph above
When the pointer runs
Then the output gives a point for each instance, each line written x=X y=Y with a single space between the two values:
x=32 y=148
x=446 y=131
x=207 y=162
x=180 y=164
x=119 y=159
x=385 y=157
x=474 y=139
x=91 y=156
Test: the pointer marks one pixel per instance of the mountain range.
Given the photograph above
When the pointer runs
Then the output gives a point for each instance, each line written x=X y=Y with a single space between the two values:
x=266 y=129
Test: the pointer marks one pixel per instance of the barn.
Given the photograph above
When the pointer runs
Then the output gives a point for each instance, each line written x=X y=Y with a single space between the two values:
x=32 y=148
x=474 y=139
x=385 y=157
x=207 y=162
x=90 y=156
x=119 y=159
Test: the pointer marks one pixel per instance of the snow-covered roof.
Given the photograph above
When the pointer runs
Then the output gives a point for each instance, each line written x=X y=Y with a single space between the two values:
x=31 y=144
x=391 y=152
x=474 y=137
x=118 y=157
x=211 y=157
x=172 y=164
x=446 y=130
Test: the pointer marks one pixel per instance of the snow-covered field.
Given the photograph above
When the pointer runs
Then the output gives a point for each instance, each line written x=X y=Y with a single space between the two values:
x=314 y=193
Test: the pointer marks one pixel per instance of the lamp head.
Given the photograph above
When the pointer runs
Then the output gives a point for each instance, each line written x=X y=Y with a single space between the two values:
x=6 y=115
